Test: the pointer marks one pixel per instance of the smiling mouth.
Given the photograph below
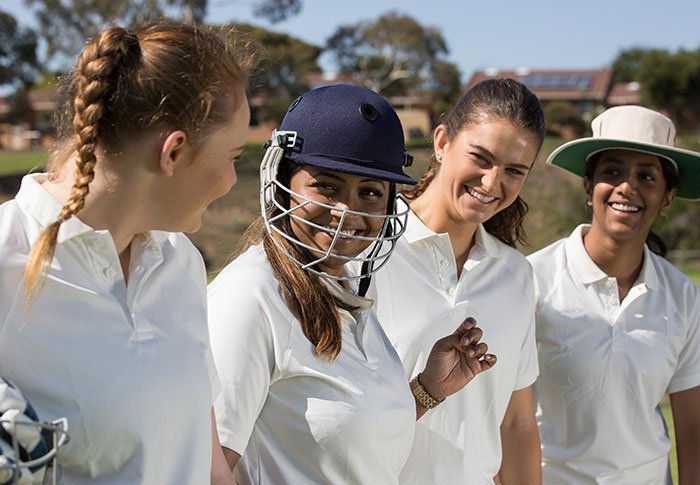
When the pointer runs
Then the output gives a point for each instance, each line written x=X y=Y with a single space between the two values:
x=347 y=234
x=485 y=199
x=629 y=208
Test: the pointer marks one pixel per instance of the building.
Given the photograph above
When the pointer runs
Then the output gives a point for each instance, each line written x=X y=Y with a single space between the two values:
x=589 y=90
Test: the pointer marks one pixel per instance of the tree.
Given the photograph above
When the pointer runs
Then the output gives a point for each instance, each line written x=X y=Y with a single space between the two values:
x=277 y=10
x=446 y=87
x=393 y=49
x=65 y=24
x=18 y=60
x=284 y=64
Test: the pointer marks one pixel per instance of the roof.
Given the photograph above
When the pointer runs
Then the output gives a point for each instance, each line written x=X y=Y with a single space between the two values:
x=556 y=84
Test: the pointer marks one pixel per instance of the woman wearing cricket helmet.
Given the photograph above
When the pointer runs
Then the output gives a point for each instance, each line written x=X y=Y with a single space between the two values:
x=313 y=392
x=618 y=326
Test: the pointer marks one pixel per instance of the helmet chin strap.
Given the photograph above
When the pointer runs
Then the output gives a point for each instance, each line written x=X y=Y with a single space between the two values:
x=368 y=265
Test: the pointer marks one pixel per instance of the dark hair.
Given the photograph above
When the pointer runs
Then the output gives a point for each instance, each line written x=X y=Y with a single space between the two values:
x=654 y=241
x=126 y=83
x=489 y=100
x=305 y=294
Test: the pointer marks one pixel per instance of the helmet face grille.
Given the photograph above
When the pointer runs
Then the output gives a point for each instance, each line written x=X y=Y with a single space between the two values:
x=379 y=246
x=41 y=464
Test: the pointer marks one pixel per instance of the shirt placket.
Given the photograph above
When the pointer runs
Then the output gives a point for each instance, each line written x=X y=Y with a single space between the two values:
x=146 y=256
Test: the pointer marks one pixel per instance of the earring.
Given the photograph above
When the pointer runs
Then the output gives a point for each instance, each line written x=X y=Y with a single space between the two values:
x=438 y=156
x=589 y=202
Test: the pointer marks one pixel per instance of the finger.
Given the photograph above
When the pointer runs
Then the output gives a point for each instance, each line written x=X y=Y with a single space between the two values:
x=472 y=336
x=477 y=351
x=465 y=326
x=488 y=361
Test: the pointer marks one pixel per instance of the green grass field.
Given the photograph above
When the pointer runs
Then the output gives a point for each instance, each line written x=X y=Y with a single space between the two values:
x=12 y=163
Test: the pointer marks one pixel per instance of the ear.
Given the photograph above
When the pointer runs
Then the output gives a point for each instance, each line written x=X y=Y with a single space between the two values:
x=668 y=199
x=172 y=152
x=588 y=186
x=439 y=142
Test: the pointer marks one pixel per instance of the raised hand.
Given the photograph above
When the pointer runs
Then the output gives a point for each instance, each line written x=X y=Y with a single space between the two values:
x=455 y=360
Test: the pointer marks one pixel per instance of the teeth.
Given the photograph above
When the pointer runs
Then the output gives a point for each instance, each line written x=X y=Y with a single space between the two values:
x=624 y=207
x=342 y=233
x=481 y=198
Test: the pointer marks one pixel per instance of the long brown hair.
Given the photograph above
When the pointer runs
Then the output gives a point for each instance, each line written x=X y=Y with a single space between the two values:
x=125 y=83
x=307 y=297
x=490 y=100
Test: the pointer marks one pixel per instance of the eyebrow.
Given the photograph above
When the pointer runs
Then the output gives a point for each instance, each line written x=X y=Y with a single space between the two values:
x=621 y=162
x=332 y=174
x=491 y=156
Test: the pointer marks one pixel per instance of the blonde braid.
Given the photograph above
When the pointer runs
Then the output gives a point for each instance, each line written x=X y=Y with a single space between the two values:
x=97 y=71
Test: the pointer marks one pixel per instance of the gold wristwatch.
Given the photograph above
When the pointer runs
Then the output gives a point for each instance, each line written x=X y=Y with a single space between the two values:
x=422 y=395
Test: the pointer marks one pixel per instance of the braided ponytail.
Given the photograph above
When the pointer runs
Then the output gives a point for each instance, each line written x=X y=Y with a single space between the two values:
x=97 y=71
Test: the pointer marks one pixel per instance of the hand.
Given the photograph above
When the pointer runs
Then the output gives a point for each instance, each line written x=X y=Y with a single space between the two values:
x=455 y=360
x=19 y=423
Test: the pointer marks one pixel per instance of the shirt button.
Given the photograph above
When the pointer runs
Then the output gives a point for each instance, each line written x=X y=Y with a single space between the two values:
x=451 y=291
x=109 y=272
x=138 y=269
x=443 y=263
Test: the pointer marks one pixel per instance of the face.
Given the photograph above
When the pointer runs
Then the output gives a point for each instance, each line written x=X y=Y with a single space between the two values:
x=210 y=174
x=343 y=192
x=627 y=192
x=482 y=170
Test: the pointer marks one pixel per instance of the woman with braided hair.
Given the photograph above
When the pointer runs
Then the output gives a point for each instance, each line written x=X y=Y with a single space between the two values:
x=102 y=299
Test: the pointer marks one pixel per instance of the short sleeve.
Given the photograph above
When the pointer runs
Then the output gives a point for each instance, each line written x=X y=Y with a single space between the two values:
x=687 y=374
x=242 y=346
x=528 y=367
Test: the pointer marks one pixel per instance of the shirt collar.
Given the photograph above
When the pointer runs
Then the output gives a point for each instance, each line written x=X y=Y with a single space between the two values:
x=42 y=206
x=342 y=294
x=416 y=231
x=588 y=272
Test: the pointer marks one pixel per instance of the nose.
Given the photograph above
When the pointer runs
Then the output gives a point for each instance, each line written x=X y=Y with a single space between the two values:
x=489 y=181
x=343 y=203
x=628 y=185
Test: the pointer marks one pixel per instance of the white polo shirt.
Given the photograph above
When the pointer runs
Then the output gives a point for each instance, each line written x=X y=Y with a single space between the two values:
x=297 y=418
x=419 y=300
x=127 y=365
x=606 y=364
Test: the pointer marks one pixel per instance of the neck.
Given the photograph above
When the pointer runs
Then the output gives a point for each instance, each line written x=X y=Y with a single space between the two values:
x=621 y=260
x=110 y=204
x=429 y=210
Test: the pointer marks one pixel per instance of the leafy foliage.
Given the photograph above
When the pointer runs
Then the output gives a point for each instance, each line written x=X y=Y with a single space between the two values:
x=18 y=60
x=393 y=49
x=277 y=10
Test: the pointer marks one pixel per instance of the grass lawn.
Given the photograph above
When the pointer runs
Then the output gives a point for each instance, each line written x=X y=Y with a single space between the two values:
x=12 y=163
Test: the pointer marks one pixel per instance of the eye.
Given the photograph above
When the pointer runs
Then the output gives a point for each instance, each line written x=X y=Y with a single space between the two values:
x=323 y=186
x=646 y=177
x=372 y=192
x=480 y=160
x=515 y=171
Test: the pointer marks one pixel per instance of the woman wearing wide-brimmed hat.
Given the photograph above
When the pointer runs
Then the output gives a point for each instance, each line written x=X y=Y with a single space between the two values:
x=618 y=326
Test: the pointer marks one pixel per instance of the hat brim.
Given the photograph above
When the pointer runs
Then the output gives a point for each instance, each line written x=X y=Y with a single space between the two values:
x=572 y=156
x=355 y=167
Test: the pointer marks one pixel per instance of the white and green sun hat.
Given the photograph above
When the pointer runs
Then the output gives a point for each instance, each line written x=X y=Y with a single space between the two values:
x=632 y=128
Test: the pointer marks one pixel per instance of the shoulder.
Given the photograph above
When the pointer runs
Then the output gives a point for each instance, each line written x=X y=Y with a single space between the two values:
x=511 y=260
x=249 y=271
x=677 y=284
x=17 y=233
x=543 y=258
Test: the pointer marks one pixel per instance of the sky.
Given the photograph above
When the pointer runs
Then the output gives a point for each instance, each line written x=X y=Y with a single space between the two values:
x=502 y=34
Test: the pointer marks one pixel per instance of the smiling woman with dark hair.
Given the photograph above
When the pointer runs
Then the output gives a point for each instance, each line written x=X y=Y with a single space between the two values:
x=618 y=326
x=313 y=392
